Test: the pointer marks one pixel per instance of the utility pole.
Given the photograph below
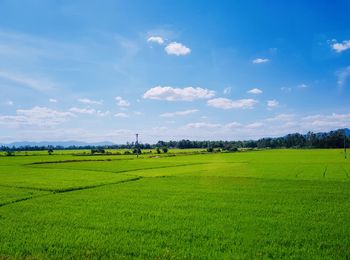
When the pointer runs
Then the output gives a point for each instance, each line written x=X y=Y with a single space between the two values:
x=344 y=144
x=137 y=145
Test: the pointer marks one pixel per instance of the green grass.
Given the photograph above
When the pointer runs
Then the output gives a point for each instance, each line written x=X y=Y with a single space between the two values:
x=261 y=204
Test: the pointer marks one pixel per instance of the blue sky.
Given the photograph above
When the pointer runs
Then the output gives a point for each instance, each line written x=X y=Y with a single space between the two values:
x=229 y=70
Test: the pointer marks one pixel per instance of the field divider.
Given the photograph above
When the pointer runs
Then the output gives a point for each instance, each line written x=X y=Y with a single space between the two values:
x=26 y=188
x=24 y=199
x=53 y=192
x=325 y=171
x=121 y=171
x=346 y=172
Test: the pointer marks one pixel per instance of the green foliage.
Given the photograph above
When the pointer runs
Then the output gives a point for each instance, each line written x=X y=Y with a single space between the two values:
x=98 y=151
x=136 y=151
x=165 y=149
x=9 y=153
x=258 y=204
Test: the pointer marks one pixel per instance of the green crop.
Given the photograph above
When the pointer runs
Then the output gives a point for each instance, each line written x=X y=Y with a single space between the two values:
x=257 y=204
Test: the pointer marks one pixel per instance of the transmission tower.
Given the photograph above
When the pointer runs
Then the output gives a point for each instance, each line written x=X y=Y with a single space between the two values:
x=137 y=145
x=344 y=144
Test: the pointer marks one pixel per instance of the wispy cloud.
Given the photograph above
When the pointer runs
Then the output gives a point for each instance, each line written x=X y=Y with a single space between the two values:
x=89 y=111
x=286 y=89
x=260 y=60
x=27 y=47
x=342 y=76
x=52 y=100
x=302 y=86
x=121 y=115
x=202 y=125
x=175 y=94
x=38 y=84
x=156 y=39
x=180 y=113
x=178 y=49
x=90 y=101
x=227 y=90
x=255 y=91
x=225 y=103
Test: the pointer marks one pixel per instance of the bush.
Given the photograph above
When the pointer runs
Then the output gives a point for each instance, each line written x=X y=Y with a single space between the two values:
x=210 y=149
x=165 y=149
x=136 y=151
x=99 y=150
x=9 y=153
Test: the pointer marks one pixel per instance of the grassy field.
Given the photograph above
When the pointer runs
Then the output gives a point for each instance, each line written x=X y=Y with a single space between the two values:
x=257 y=204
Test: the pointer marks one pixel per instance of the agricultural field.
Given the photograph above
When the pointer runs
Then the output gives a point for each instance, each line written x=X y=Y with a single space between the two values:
x=254 y=204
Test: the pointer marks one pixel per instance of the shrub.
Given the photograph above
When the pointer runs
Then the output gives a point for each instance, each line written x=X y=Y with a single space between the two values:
x=9 y=153
x=210 y=149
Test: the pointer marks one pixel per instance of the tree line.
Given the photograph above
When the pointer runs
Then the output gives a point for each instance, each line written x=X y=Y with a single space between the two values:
x=332 y=139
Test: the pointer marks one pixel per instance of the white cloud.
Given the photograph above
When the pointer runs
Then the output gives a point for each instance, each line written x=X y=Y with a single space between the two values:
x=180 y=113
x=88 y=111
x=178 y=49
x=343 y=76
x=121 y=115
x=340 y=47
x=272 y=103
x=138 y=113
x=90 y=101
x=225 y=103
x=260 y=60
x=38 y=116
x=9 y=102
x=174 y=94
x=52 y=100
x=122 y=102
x=39 y=84
x=255 y=91
x=156 y=39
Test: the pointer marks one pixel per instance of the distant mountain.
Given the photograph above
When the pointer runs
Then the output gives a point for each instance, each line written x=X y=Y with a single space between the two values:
x=57 y=143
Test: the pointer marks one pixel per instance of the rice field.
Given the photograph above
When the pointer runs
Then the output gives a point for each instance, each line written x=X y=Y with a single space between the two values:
x=256 y=204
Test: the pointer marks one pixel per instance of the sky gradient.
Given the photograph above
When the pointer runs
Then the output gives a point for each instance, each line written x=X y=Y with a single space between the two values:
x=168 y=70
